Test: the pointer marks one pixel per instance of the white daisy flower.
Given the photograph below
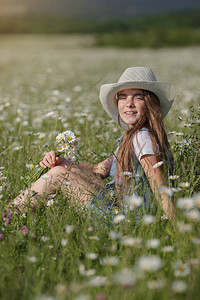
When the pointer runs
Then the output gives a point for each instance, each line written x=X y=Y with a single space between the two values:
x=50 y=202
x=185 y=203
x=173 y=177
x=178 y=286
x=45 y=176
x=126 y=277
x=180 y=269
x=148 y=219
x=110 y=261
x=94 y=237
x=193 y=215
x=97 y=281
x=128 y=174
x=149 y=263
x=119 y=218
x=184 y=227
x=92 y=256
x=152 y=243
x=166 y=190
x=133 y=201
x=114 y=235
x=158 y=164
x=196 y=198
x=130 y=241
x=155 y=284
x=168 y=249
x=32 y=259
x=64 y=242
x=69 y=228
x=30 y=166
x=60 y=137
x=44 y=239
x=184 y=184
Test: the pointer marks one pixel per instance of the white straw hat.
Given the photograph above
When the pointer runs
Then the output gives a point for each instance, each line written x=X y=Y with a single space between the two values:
x=136 y=78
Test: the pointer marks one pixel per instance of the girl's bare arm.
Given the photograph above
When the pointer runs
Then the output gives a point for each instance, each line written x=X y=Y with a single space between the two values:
x=103 y=168
x=157 y=180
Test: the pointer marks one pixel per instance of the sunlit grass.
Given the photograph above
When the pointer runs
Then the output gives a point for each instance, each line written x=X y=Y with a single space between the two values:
x=48 y=85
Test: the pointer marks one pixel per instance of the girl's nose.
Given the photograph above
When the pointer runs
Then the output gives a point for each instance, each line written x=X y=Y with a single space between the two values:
x=130 y=102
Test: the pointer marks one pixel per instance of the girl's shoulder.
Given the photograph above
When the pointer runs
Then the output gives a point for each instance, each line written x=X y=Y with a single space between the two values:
x=141 y=135
x=142 y=143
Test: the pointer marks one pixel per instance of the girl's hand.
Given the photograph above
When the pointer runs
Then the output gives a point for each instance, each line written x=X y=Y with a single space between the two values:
x=50 y=160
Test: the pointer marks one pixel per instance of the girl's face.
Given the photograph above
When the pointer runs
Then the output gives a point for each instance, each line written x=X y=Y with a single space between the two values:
x=131 y=105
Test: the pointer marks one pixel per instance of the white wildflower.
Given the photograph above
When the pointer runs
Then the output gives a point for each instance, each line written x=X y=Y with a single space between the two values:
x=148 y=219
x=110 y=260
x=44 y=238
x=128 y=174
x=168 y=249
x=32 y=259
x=133 y=201
x=65 y=182
x=167 y=191
x=41 y=135
x=185 y=203
x=158 y=164
x=45 y=176
x=60 y=288
x=50 y=202
x=97 y=281
x=119 y=218
x=150 y=263
x=130 y=241
x=184 y=184
x=193 y=215
x=184 y=227
x=155 y=284
x=196 y=240
x=180 y=269
x=114 y=235
x=92 y=256
x=126 y=277
x=64 y=242
x=173 y=177
x=69 y=228
x=152 y=243
x=77 y=88
x=178 y=286
x=196 y=198
x=94 y=237
x=82 y=297
x=30 y=166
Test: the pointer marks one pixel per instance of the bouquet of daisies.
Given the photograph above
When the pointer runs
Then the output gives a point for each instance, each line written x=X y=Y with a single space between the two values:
x=66 y=145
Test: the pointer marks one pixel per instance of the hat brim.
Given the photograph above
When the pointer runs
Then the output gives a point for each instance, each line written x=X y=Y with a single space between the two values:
x=164 y=91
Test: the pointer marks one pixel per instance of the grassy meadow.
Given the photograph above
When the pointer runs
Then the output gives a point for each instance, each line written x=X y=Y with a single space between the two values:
x=49 y=84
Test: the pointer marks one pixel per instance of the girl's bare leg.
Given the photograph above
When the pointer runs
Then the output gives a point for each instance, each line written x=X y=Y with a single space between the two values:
x=82 y=184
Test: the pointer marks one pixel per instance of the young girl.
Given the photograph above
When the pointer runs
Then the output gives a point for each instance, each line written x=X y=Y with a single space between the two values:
x=138 y=102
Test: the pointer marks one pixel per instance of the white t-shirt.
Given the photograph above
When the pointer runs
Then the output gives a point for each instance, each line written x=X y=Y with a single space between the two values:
x=142 y=143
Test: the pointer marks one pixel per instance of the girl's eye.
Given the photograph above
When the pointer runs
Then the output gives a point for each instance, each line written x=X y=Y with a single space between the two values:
x=139 y=97
x=122 y=97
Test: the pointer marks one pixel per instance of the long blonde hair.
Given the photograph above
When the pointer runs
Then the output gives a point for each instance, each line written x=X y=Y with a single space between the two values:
x=151 y=120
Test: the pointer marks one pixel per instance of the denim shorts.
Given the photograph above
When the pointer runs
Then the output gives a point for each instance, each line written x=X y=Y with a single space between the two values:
x=103 y=204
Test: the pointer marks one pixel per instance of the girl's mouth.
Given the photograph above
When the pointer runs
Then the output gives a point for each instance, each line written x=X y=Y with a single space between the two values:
x=130 y=113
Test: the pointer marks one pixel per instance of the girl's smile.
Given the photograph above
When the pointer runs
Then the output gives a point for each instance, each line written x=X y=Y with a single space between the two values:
x=131 y=105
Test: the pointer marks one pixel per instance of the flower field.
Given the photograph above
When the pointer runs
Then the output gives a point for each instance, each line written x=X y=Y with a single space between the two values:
x=48 y=85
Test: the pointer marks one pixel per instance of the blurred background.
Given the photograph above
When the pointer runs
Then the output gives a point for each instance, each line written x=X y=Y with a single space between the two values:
x=118 y=23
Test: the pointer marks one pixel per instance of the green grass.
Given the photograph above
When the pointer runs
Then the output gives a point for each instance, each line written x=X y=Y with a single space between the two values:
x=175 y=29
x=49 y=84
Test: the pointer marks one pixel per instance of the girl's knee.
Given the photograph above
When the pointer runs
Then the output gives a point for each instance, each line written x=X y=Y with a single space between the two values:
x=57 y=170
